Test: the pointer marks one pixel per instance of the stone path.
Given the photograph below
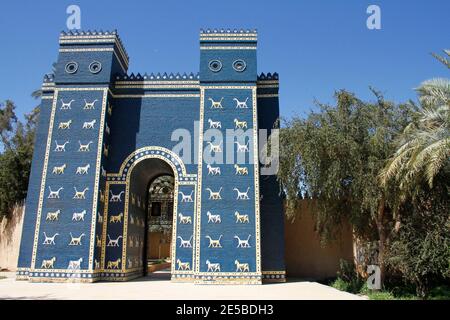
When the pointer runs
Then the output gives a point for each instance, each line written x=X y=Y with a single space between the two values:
x=158 y=287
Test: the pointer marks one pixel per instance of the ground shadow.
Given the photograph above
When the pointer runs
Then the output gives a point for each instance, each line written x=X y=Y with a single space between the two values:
x=27 y=298
x=154 y=276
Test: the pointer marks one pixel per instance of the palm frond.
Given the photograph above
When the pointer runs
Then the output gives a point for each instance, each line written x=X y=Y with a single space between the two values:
x=443 y=60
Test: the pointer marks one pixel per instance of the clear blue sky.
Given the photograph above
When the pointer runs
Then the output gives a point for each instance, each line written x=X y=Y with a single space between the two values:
x=317 y=46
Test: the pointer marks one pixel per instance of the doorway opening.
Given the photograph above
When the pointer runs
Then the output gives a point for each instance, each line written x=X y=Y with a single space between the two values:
x=151 y=213
x=160 y=223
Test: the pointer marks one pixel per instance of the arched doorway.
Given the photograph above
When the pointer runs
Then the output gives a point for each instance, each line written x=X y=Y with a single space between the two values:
x=150 y=211
x=160 y=221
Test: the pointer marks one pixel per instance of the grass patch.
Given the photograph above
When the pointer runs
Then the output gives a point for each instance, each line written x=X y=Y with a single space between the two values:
x=438 y=293
x=386 y=295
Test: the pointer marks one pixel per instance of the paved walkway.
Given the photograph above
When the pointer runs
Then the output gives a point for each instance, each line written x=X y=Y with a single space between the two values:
x=158 y=287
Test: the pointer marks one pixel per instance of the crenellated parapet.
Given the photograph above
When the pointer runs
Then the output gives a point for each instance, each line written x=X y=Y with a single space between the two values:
x=49 y=78
x=158 y=77
x=268 y=85
x=268 y=77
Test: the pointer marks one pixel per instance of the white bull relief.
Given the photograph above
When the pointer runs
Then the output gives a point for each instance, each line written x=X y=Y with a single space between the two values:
x=65 y=125
x=241 y=218
x=240 y=171
x=83 y=170
x=75 y=264
x=78 y=216
x=59 y=170
x=84 y=147
x=213 y=267
x=48 y=264
x=215 y=147
x=240 y=124
x=183 y=265
x=241 y=267
x=89 y=125
x=214 y=171
x=213 y=218
x=53 y=216
x=214 y=124
x=184 y=219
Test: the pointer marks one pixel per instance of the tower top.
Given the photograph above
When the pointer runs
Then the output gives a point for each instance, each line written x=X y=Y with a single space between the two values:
x=74 y=38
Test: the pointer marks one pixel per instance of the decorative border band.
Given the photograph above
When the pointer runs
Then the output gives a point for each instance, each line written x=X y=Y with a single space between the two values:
x=227 y=48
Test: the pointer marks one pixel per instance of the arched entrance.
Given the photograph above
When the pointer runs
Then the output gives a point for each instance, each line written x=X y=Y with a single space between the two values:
x=143 y=196
x=150 y=211
x=160 y=213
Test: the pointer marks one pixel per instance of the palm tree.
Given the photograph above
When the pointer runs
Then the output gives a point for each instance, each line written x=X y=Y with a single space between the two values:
x=444 y=60
x=424 y=146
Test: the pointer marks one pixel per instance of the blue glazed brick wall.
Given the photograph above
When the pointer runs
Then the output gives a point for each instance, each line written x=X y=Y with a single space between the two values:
x=228 y=180
x=144 y=117
x=72 y=158
x=272 y=213
x=26 y=245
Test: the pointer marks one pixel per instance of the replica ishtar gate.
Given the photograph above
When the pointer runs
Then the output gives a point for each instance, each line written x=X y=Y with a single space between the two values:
x=109 y=195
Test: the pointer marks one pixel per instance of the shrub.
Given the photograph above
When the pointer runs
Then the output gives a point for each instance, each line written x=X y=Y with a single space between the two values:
x=347 y=278
x=421 y=249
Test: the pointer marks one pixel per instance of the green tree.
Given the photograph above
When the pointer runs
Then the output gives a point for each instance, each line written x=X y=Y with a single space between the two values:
x=424 y=147
x=420 y=251
x=420 y=170
x=334 y=156
x=17 y=140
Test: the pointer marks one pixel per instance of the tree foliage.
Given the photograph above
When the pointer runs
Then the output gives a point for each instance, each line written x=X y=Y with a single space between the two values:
x=335 y=155
x=424 y=147
x=17 y=140
x=421 y=250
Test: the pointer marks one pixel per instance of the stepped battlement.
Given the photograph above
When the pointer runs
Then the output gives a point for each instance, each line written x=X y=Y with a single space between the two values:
x=49 y=78
x=159 y=77
x=268 y=77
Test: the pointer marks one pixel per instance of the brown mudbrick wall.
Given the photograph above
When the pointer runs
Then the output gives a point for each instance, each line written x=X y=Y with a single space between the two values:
x=305 y=257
